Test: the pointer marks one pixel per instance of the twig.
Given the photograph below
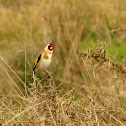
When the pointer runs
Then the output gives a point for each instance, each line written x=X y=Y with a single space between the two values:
x=23 y=112
x=73 y=96
x=106 y=111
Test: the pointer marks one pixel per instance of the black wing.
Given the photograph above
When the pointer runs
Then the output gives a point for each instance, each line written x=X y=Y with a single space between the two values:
x=36 y=62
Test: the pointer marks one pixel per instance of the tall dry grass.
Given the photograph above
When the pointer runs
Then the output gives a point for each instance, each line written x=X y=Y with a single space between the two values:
x=83 y=88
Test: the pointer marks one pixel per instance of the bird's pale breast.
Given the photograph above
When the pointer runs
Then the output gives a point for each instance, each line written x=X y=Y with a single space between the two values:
x=45 y=61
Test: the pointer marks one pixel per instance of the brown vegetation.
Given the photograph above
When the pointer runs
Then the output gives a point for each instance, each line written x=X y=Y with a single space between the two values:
x=85 y=87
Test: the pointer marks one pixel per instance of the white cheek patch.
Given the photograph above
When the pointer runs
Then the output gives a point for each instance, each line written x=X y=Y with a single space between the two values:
x=50 y=47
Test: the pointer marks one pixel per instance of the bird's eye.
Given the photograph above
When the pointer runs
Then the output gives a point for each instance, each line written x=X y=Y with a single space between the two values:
x=50 y=47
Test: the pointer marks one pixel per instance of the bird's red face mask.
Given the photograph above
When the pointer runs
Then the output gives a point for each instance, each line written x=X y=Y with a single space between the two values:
x=50 y=47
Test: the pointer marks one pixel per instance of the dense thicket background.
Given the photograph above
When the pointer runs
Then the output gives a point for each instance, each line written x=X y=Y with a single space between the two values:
x=88 y=26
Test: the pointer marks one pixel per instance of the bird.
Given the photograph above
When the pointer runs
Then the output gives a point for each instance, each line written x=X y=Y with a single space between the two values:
x=44 y=58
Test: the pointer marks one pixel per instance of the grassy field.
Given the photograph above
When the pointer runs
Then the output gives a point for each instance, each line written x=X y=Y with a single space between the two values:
x=86 y=83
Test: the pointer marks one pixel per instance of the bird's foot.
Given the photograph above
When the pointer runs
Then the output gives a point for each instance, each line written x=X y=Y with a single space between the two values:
x=46 y=74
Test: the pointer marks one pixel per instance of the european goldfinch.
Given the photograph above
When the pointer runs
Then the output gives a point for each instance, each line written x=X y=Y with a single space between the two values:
x=44 y=58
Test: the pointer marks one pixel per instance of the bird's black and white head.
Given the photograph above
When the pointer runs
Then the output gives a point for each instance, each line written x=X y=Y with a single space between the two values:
x=49 y=47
